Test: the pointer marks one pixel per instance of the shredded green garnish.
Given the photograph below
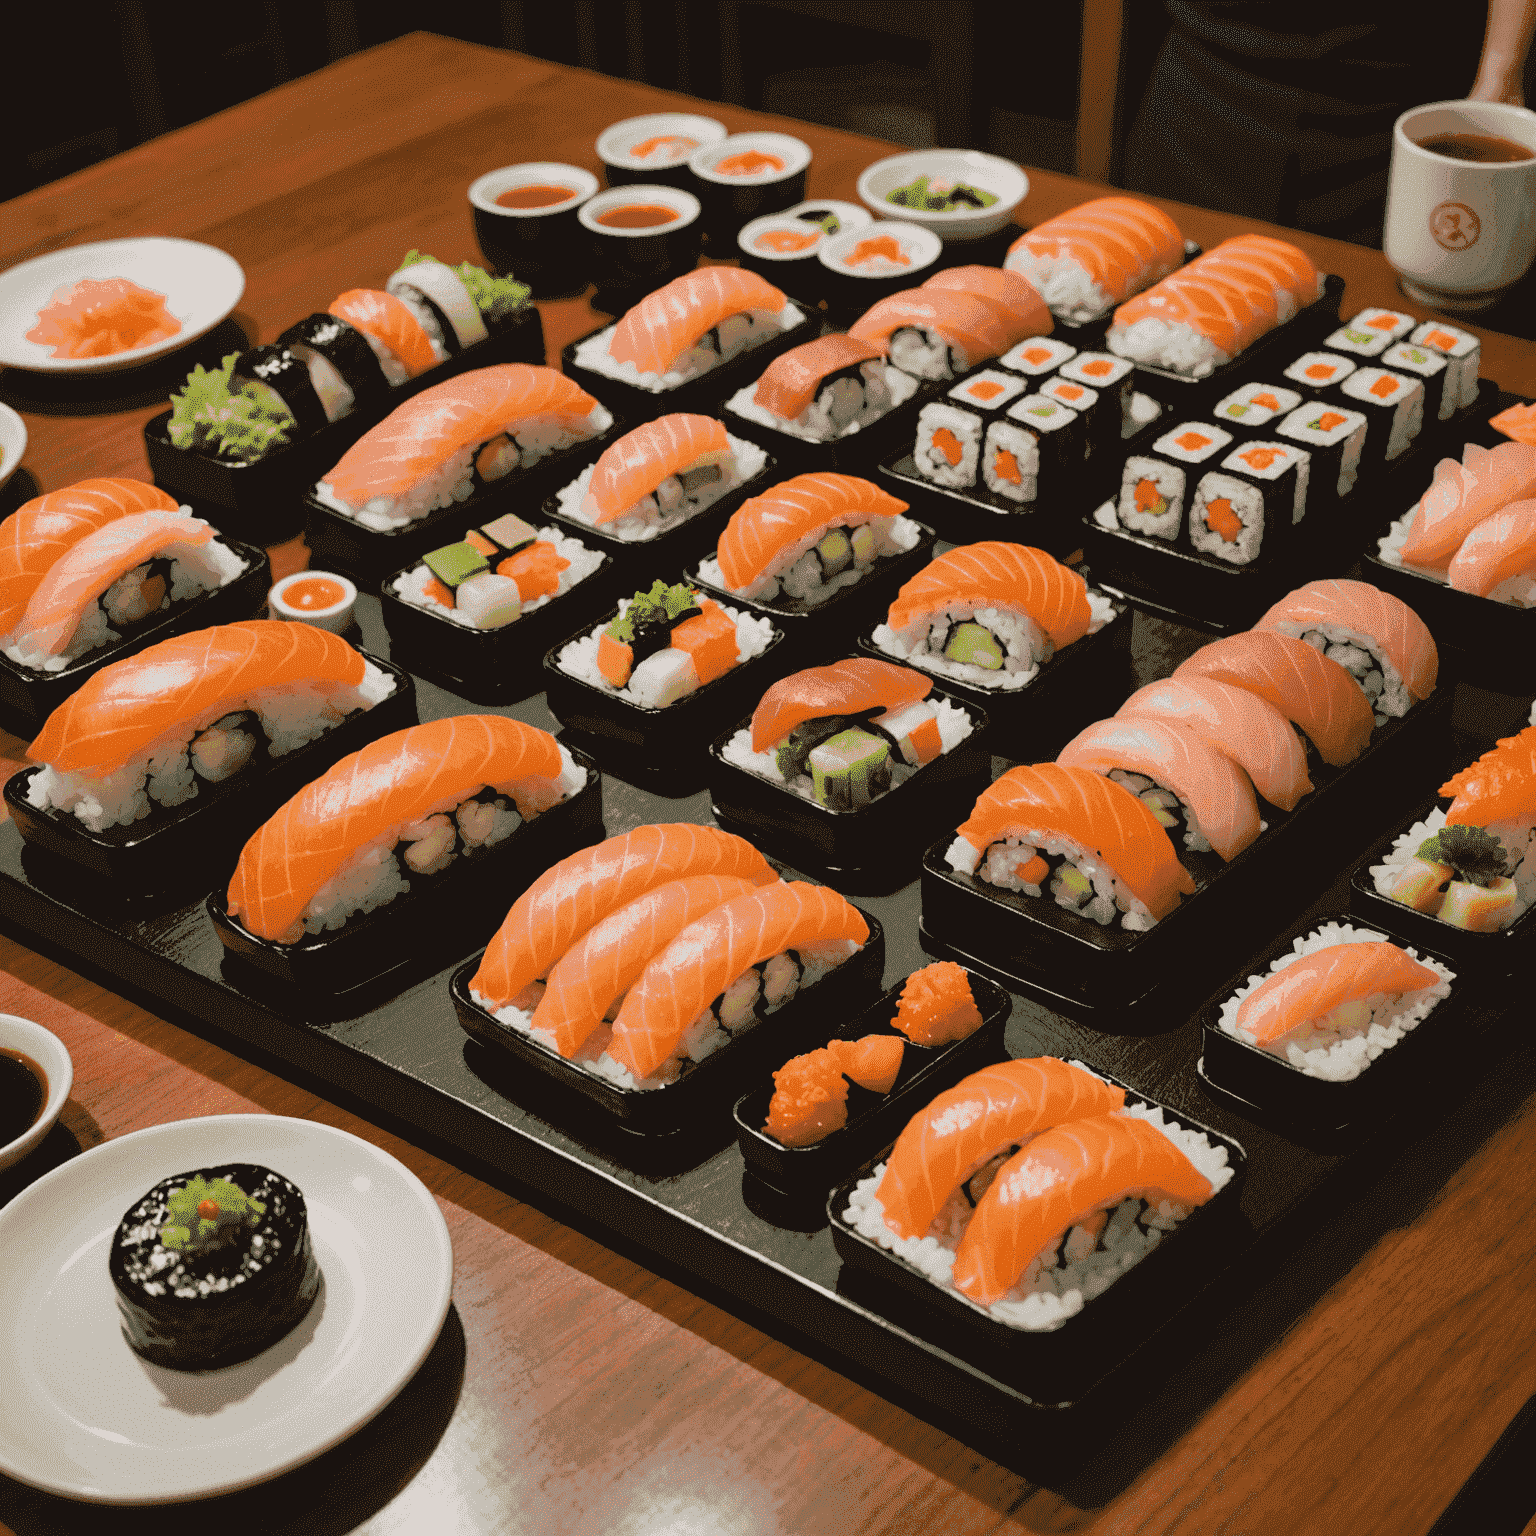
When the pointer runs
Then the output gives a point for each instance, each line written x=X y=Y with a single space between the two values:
x=190 y=1231
x=1475 y=855
x=920 y=194
x=661 y=604
x=236 y=423
x=411 y=258
x=495 y=297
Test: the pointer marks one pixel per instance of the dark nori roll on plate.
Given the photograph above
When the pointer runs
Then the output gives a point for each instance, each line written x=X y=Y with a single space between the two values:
x=213 y=1266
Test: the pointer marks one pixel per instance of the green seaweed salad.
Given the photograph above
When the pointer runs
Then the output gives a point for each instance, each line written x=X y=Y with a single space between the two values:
x=940 y=196
x=244 y=421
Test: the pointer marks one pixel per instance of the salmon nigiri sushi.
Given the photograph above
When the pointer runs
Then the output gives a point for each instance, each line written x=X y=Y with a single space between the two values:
x=693 y=324
x=146 y=730
x=1497 y=560
x=1376 y=637
x=656 y=477
x=1336 y=1000
x=808 y=538
x=990 y=614
x=937 y=333
x=1089 y=259
x=384 y=820
x=396 y=336
x=433 y=451
x=1461 y=496
x=722 y=973
x=1088 y=842
x=824 y=389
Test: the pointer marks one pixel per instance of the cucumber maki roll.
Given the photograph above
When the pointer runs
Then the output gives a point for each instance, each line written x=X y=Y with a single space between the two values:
x=1431 y=369
x=341 y=364
x=213 y=1266
x=1464 y=355
x=1315 y=373
x=458 y=306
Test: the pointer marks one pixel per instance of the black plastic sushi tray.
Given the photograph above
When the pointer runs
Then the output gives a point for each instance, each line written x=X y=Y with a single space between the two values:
x=688 y=1206
x=28 y=696
x=262 y=501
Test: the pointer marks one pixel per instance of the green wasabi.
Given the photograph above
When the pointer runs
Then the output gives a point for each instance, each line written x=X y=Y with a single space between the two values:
x=240 y=423
x=494 y=297
x=208 y=1213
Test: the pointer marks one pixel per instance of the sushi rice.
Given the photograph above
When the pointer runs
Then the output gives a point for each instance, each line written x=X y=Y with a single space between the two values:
x=1073 y=1268
x=670 y=505
x=954 y=723
x=735 y=334
x=578 y=659
x=414 y=585
x=826 y=419
x=1335 y=1055
x=195 y=569
x=1027 y=645
x=167 y=772
x=703 y=1037
x=796 y=574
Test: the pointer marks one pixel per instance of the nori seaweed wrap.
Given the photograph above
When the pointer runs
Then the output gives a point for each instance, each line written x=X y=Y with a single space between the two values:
x=213 y=1266
x=277 y=369
x=342 y=349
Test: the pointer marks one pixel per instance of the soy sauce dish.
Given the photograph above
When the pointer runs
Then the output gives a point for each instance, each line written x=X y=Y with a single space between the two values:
x=35 y=1078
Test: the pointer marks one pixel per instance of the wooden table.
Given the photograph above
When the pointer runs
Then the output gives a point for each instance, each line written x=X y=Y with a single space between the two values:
x=574 y=1390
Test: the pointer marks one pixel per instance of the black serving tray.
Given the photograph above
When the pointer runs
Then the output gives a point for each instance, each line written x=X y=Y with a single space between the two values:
x=28 y=697
x=700 y=395
x=459 y=909
x=1192 y=397
x=811 y=634
x=1476 y=955
x=874 y=1119
x=1177 y=581
x=873 y=848
x=1059 y=1365
x=708 y=1084
x=339 y=543
x=490 y=666
x=855 y=454
x=681 y=543
x=186 y=847
x=262 y=501
x=1268 y=1082
x=1077 y=686
x=661 y=749
x=1070 y=962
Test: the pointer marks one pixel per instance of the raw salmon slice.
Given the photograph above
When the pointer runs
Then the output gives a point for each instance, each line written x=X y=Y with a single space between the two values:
x=126 y=707
x=1499 y=547
x=970 y=326
x=1316 y=984
x=1499 y=786
x=638 y=462
x=1214 y=788
x=1461 y=495
x=1061 y=1176
x=388 y=321
x=1122 y=243
x=861 y=685
x=41 y=531
x=666 y=323
x=792 y=380
x=1239 y=724
x=944 y=1144
x=580 y=891
x=398 y=779
x=597 y=970
x=712 y=953
x=1012 y=297
x=1318 y=695
x=872 y=1062
x=1005 y=575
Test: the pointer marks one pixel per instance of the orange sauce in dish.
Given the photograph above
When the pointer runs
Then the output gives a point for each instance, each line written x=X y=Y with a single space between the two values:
x=314 y=593
x=785 y=241
x=876 y=248
x=541 y=196
x=750 y=162
x=666 y=147
x=636 y=216
x=98 y=318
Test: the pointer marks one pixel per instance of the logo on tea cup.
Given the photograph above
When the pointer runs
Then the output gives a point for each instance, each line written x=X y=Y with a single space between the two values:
x=1455 y=226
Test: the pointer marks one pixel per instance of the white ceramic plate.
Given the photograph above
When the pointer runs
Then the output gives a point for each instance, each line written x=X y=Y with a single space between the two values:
x=1005 y=180
x=13 y=442
x=83 y=1416
x=201 y=284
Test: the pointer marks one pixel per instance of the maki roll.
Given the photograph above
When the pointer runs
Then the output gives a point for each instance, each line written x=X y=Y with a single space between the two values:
x=1248 y=506
x=824 y=390
x=404 y=346
x=213 y=1266
x=989 y=390
x=1341 y=997
x=1098 y=415
x=1155 y=486
x=808 y=538
x=845 y=734
x=1315 y=373
x=1250 y=409
x=1037 y=356
x=990 y=614
x=1336 y=440
x=665 y=644
x=862 y=265
x=948 y=446
x=1060 y=438
x=1442 y=393
x=432 y=451
x=343 y=369
x=280 y=380
x=1463 y=353
x=1111 y=379
x=1392 y=405
x=1370 y=333
x=497 y=573
x=1473 y=866
x=658 y=476
x=1086 y=261
x=1206 y=313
